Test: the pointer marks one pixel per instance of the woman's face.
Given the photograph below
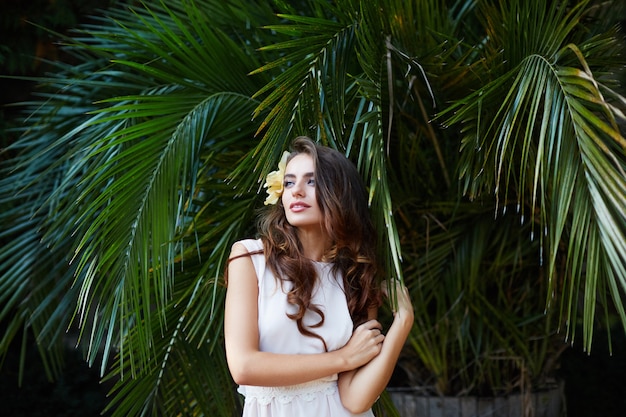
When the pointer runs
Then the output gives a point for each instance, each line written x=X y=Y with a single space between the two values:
x=299 y=200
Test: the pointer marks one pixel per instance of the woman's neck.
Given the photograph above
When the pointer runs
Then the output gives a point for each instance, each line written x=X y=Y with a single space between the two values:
x=314 y=243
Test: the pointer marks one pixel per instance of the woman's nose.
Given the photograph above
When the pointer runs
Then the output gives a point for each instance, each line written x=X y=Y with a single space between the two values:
x=297 y=189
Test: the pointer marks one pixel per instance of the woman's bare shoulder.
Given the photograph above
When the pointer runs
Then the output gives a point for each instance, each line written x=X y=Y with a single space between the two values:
x=246 y=246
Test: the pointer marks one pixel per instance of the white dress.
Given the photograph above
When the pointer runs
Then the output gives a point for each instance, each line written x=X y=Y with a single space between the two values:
x=279 y=334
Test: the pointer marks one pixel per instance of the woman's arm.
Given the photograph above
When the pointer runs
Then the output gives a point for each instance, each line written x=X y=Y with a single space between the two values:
x=360 y=388
x=249 y=366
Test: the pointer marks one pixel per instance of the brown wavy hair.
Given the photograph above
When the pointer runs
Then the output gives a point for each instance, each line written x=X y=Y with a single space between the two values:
x=343 y=201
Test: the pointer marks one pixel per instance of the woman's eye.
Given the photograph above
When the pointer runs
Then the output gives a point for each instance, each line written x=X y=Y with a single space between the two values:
x=287 y=183
x=311 y=181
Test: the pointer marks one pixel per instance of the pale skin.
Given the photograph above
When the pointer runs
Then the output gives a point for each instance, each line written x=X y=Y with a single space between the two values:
x=364 y=364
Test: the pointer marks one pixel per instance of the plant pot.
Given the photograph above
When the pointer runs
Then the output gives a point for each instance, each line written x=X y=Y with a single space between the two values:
x=411 y=402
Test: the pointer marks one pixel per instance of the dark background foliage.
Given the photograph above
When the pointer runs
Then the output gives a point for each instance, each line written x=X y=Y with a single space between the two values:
x=594 y=383
x=27 y=44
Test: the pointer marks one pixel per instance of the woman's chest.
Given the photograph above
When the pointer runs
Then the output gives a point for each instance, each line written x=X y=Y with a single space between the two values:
x=279 y=334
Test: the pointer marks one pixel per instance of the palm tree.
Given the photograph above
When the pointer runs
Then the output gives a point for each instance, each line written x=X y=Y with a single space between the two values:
x=488 y=134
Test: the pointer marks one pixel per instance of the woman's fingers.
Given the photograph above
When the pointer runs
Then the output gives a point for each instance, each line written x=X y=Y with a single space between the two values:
x=365 y=343
x=372 y=331
x=402 y=295
x=371 y=324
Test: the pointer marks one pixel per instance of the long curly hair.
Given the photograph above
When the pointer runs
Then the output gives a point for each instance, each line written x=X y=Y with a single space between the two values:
x=342 y=198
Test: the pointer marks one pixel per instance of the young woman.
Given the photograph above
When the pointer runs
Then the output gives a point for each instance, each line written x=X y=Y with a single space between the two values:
x=301 y=333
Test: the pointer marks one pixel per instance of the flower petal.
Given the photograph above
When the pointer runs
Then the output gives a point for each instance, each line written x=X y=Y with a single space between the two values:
x=274 y=181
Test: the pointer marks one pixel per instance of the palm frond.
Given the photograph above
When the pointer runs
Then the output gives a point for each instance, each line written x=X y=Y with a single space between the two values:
x=488 y=134
x=181 y=377
x=568 y=151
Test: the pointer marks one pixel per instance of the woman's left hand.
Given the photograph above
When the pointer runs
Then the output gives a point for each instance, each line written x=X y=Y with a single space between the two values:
x=404 y=308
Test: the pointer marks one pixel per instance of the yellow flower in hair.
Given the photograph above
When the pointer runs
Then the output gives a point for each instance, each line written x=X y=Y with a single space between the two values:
x=274 y=181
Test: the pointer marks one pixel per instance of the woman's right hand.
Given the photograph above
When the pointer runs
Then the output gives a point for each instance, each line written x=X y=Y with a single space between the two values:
x=364 y=345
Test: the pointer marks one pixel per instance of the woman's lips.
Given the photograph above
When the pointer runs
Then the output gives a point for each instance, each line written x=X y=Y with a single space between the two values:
x=298 y=206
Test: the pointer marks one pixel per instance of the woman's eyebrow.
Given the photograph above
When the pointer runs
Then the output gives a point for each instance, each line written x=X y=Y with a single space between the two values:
x=307 y=175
